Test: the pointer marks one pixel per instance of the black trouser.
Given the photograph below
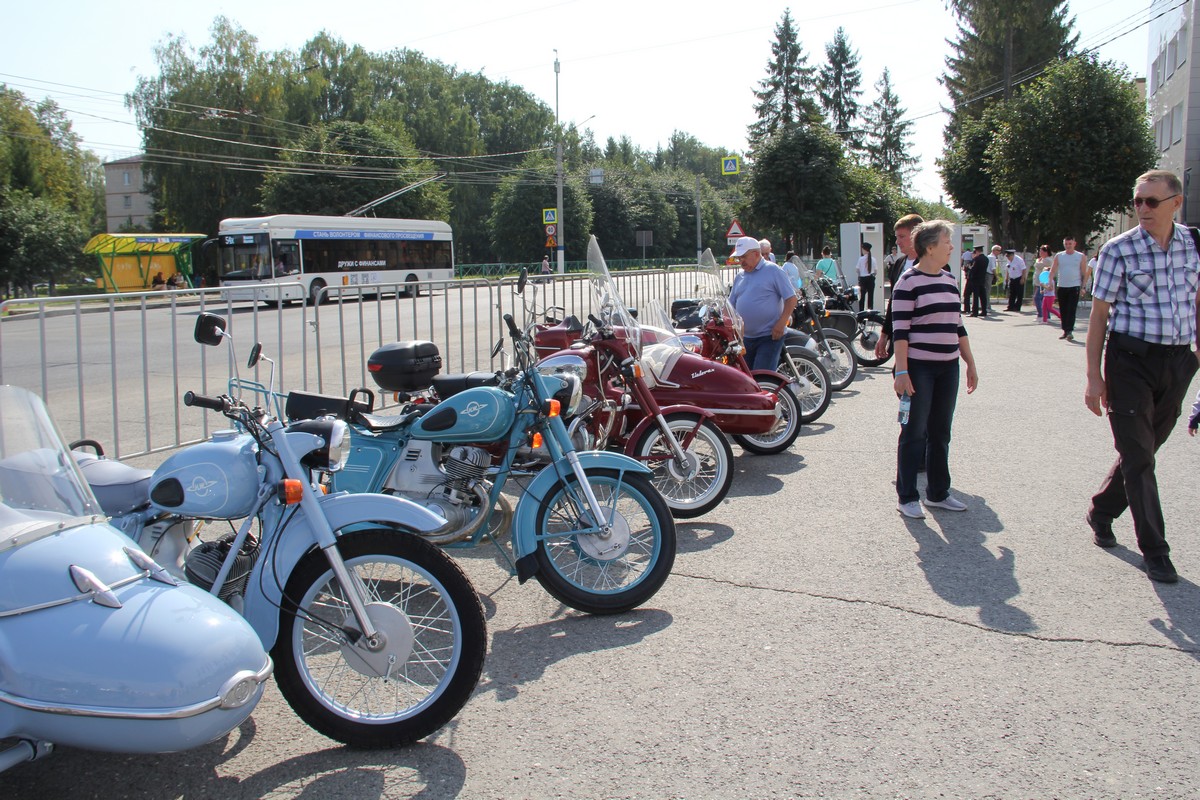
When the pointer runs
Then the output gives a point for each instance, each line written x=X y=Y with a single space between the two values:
x=925 y=439
x=1016 y=293
x=1145 y=392
x=979 y=296
x=1068 y=304
x=866 y=292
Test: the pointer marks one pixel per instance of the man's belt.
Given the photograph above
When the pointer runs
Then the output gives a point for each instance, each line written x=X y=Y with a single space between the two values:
x=1140 y=347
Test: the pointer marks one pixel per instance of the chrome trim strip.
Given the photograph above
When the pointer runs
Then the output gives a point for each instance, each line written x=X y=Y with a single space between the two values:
x=66 y=600
x=181 y=712
x=741 y=412
x=24 y=534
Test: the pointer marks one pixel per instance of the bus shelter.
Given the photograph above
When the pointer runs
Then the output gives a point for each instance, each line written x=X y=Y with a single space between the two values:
x=132 y=262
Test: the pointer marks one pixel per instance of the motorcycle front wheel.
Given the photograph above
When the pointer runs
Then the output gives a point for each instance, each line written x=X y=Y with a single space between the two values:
x=841 y=362
x=810 y=382
x=699 y=486
x=604 y=574
x=434 y=641
x=863 y=343
x=787 y=424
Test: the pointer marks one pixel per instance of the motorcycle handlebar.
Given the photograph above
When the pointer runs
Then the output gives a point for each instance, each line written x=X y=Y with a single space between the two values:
x=512 y=327
x=211 y=403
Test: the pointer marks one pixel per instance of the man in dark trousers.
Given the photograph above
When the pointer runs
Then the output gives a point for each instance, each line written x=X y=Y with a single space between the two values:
x=1145 y=296
x=978 y=284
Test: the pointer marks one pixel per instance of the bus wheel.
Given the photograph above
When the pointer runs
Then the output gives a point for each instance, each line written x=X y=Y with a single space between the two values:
x=412 y=287
x=314 y=292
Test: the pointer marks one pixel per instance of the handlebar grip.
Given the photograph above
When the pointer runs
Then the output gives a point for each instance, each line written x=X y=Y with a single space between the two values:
x=594 y=321
x=512 y=326
x=211 y=403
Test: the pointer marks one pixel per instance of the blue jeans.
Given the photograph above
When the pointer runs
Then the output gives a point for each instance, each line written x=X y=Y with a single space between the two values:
x=927 y=434
x=763 y=352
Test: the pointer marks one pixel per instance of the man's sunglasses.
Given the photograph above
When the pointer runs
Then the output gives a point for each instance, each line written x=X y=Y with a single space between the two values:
x=1152 y=202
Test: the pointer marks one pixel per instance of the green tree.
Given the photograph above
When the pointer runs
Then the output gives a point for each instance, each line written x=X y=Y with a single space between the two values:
x=839 y=83
x=515 y=222
x=1045 y=165
x=798 y=184
x=889 y=134
x=337 y=167
x=40 y=241
x=210 y=122
x=785 y=96
x=963 y=167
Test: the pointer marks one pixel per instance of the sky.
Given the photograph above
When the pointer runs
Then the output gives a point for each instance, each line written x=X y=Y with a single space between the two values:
x=636 y=69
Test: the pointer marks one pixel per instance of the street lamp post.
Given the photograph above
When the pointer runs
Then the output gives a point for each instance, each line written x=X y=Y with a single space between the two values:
x=558 y=165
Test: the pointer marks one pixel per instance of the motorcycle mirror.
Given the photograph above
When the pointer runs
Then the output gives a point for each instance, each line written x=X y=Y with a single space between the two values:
x=209 y=329
x=522 y=279
x=255 y=355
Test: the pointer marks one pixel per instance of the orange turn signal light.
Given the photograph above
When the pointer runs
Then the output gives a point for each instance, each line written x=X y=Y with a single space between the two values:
x=553 y=408
x=536 y=441
x=290 y=491
x=637 y=370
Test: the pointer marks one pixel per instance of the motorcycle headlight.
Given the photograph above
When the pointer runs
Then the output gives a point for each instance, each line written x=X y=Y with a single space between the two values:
x=334 y=451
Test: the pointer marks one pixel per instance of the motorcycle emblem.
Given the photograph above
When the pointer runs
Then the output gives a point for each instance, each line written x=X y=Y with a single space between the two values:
x=701 y=372
x=473 y=408
x=200 y=487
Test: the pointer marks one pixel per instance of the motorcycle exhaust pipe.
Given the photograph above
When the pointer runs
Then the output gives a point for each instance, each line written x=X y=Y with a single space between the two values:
x=22 y=751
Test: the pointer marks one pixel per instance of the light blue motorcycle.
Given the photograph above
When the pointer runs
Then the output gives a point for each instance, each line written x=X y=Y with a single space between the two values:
x=378 y=637
x=589 y=526
x=101 y=648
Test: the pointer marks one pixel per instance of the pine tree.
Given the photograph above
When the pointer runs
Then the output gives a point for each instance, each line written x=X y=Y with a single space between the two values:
x=889 y=134
x=785 y=95
x=839 y=85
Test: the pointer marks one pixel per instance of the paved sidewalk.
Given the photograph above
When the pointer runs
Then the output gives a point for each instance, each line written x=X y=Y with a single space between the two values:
x=811 y=642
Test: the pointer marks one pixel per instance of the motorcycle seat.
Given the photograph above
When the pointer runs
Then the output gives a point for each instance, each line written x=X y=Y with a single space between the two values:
x=377 y=423
x=572 y=324
x=119 y=487
x=309 y=405
x=450 y=385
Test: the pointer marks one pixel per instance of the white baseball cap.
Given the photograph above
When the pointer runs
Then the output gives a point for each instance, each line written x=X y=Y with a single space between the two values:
x=744 y=245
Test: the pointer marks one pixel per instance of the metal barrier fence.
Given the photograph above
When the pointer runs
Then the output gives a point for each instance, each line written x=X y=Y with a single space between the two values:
x=115 y=368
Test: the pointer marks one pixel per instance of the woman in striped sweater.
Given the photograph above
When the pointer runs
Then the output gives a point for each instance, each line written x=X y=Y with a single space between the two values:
x=930 y=339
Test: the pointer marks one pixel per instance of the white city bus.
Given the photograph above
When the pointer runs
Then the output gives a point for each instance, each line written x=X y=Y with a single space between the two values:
x=304 y=255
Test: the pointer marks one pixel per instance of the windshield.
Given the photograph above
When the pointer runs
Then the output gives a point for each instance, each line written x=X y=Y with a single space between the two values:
x=37 y=472
x=609 y=307
x=713 y=293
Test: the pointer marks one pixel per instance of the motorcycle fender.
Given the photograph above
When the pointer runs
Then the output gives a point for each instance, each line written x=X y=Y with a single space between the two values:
x=667 y=411
x=772 y=375
x=271 y=572
x=524 y=524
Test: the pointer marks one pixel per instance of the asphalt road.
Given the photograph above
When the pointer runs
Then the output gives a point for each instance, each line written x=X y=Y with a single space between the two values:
x=810 y=641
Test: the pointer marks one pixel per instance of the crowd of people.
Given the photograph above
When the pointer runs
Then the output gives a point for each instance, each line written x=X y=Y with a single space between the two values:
x=1142 y=347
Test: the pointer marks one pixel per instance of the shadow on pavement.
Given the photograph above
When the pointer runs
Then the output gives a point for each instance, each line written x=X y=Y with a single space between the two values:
x=1181 y=602
x=692 y=537
x=420 y=771
x=522 y=655
x=965 y=573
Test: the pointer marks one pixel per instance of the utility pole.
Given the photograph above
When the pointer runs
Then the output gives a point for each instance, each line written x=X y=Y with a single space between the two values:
x=699 y=241
x=558 y=164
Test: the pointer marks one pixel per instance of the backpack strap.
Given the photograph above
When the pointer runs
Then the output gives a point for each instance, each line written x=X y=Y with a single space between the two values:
x=1195 y=237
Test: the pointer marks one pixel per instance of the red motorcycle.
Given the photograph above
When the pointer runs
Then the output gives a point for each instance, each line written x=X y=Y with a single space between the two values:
x=660 y=403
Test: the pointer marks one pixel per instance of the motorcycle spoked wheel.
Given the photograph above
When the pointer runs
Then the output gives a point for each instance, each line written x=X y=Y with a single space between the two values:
x=705 y=483
x=787 y=425
x=436 y=641
x=605 y=575
x=863 y=343
x=842 y=363
x=811 y=386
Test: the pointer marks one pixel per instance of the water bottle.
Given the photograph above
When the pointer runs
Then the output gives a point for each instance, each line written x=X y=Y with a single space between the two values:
x=905 y=407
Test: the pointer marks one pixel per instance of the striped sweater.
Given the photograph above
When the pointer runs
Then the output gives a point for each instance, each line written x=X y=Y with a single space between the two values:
x=927 y=313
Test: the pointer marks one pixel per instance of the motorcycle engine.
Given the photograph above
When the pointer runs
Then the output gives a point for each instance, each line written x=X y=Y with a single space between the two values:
x=204 y=562
x=466 y=463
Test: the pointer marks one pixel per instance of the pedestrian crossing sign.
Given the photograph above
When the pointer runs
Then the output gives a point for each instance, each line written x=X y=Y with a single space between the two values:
x=730 y=165
x=549 y=216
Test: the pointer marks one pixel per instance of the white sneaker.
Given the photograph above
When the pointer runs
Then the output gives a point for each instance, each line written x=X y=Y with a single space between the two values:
x=951 y=503
x=911 y=510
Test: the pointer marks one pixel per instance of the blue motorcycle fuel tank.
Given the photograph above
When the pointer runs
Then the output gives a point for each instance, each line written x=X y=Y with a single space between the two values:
x=214 y=480
x=480 y=414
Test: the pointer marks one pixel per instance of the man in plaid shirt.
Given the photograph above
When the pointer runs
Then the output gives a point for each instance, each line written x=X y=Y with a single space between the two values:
x=1145 y=296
